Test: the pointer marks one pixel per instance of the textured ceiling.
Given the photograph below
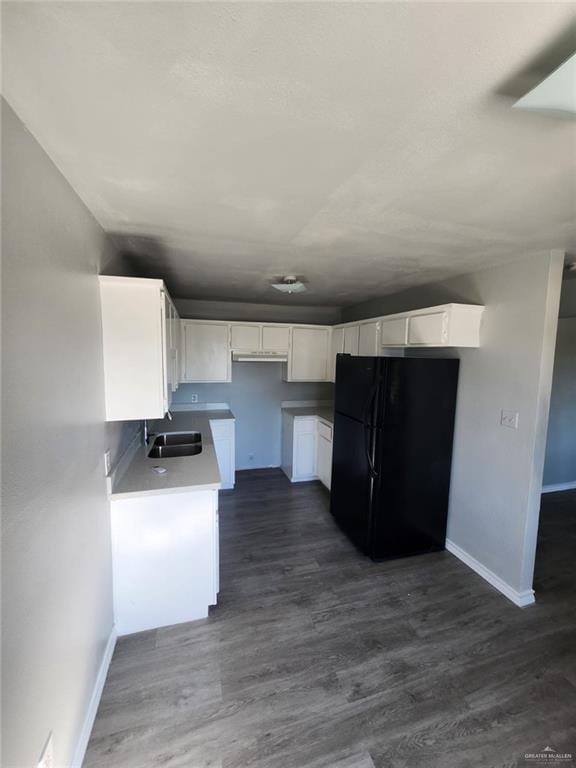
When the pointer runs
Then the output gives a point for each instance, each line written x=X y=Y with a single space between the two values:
x=361 y=145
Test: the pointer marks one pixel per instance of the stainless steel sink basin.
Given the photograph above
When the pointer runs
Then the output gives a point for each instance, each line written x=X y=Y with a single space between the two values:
x=171 y=451
x=182 y=438
x=172 y=445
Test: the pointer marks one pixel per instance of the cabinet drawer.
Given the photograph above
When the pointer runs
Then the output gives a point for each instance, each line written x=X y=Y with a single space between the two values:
x=325 y=431
x=305 y=426
x=428 y=329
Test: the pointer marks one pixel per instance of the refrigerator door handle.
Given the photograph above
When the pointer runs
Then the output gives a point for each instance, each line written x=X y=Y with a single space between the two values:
x=368 y=427
x=367 y=436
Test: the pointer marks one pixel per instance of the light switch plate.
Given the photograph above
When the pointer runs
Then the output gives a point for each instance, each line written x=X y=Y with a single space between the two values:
x=509 y=419
x=107 y=463
x=47 y=757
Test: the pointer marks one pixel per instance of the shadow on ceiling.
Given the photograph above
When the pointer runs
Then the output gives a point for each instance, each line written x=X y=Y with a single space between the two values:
x=140 y=256
x=540 y=66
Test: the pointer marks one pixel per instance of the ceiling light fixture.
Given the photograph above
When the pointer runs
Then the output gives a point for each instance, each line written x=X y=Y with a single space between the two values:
x=289 y=284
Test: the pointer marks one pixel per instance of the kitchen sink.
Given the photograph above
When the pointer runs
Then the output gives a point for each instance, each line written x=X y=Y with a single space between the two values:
x=174 y=445
x=180 y=438
x=172 y=451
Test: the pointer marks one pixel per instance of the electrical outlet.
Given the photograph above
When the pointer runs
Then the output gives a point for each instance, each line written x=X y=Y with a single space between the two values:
x=47 y=757
x=509 y=419
x=107 y=463
x=194 y=398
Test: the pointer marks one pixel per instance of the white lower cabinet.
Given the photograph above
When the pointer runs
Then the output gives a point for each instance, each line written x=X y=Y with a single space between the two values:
x=304 y=449
x=307 y=449
x=165 y=559
x=325 y=461
x=224 y=436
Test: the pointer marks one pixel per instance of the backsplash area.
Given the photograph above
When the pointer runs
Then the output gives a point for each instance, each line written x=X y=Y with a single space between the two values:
x=255 y=396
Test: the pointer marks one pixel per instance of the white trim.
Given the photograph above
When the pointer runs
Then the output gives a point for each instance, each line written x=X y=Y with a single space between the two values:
x=559 y=487
x=518 y=598
x=90 y=716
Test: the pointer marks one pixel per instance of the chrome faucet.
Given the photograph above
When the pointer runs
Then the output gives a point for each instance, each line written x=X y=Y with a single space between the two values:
x=146 y=433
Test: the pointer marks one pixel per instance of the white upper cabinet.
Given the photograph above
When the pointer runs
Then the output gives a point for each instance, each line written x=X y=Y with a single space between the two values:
x=429 y=329
x=135 y=338
x=447 y=325
x=275 y=338
x=257 y=337
x=351 y=339
x=172 y=336
x=175 y=341
x=394 y=332
x=336 y=348
x=308 y=359
x=369 y=339
x=206 y=351
x=245 y=337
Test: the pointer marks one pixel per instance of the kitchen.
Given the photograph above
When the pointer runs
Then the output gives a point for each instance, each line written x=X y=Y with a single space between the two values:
x=279 y=349
x=173 y=475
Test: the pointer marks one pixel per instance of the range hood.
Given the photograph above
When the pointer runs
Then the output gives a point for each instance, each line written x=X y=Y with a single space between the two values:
x=259 y=357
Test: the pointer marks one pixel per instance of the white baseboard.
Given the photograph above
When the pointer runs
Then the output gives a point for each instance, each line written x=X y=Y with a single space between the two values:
x=90 y=715
x=518 y=598
x=559 y=487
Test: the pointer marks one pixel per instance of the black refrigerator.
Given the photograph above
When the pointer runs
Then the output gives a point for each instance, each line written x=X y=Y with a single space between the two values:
x=392 y=452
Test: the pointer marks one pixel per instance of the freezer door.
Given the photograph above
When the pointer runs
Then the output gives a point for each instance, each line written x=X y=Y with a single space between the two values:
x=356 y=383
x=351 y=490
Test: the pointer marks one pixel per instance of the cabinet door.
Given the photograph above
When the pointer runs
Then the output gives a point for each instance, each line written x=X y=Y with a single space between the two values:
x=206 y=352
x=336 y=348
x=223 y=434
x=351 y=334
x=369 y=337
x=429 y=330
x=245 y=338
x=309 y=354
x=393 y=333
x=167 y=373
x=324 y=461
x=304 y=456
x=275 y=338
x=224 y=448
x=175 y=349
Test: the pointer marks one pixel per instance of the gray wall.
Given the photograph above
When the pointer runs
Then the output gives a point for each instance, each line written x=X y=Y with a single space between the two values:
x=255 y=395
x=497 y=472
x=259 y=313
x=56 y=568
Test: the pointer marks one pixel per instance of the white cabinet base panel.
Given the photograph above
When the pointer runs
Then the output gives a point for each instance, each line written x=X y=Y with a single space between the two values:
x=164 y=559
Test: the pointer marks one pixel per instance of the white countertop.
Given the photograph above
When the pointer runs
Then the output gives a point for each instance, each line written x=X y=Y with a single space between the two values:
x=324 y=412
x=184 y=473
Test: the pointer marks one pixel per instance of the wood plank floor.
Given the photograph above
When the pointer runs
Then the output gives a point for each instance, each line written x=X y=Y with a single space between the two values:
x=316 y=657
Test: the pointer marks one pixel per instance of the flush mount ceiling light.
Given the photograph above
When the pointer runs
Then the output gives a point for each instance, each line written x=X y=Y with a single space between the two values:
x=289 y=284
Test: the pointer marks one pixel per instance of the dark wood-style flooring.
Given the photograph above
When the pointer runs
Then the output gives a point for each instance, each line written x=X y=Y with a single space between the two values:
x=315 y=657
